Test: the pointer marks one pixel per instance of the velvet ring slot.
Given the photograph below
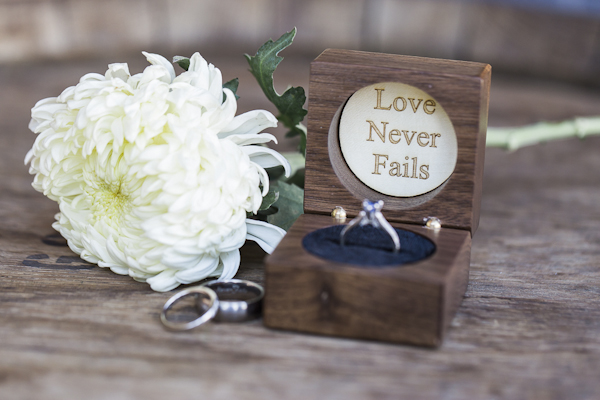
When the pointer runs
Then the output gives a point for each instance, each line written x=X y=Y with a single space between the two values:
x=367 y=246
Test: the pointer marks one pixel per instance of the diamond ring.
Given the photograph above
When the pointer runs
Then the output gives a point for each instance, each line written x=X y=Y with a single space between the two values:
x=371 y=215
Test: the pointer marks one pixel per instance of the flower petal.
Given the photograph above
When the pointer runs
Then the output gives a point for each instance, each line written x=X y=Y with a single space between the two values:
x=249 y=123
x=164 y=281
x=118 y=70
x=256 y=138
x=266 y=235
x=231 y=264
x=203 y=269
x=157 y=59
x=267 y=158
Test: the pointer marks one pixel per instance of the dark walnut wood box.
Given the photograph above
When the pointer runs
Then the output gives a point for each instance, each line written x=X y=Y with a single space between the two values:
x=412 y=303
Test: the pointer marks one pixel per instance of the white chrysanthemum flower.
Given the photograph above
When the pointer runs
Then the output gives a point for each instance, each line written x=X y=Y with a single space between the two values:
x=154 y=173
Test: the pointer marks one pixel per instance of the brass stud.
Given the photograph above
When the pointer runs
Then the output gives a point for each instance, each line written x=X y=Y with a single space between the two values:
x=339 y=214
x=432 y=223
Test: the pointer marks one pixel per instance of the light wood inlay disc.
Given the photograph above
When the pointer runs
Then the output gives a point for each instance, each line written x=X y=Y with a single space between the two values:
x=397 y=139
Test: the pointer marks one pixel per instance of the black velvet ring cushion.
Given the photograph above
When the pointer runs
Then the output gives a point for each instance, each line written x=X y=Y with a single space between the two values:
x=367 y=246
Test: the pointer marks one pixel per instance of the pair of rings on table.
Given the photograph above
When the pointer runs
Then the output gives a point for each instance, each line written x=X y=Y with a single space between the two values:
x=233 y=300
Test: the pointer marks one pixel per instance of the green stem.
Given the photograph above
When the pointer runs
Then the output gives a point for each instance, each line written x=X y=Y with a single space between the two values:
x=515 y=138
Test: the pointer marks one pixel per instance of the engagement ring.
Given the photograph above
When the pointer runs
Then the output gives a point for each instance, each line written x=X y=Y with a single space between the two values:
x=371 y=215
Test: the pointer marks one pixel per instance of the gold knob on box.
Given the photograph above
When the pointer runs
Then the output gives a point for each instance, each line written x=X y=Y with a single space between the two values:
x=339 y=214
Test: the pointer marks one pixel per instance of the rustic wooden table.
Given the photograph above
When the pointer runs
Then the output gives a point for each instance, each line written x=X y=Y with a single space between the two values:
x=528 y=328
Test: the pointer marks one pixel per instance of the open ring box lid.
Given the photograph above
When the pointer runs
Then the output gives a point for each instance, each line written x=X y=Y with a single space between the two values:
x=360 y=145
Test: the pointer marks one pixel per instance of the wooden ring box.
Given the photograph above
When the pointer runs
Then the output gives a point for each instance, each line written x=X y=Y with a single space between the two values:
x=411 y=303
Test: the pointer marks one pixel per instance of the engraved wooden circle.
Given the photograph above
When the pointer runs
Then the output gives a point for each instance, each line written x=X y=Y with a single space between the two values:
x=397 y=139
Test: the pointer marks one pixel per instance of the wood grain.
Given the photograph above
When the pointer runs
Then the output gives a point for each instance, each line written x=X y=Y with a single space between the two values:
x=461 y=88
x=528 y=327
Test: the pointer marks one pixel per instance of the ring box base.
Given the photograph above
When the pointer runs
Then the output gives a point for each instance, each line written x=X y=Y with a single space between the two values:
x=412 y=303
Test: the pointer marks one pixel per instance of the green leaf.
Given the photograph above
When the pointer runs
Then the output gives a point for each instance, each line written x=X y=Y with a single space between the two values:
x=269 y=198
x=289 y=205
x=302 y=145
x=297 y=179
x=183 y=62
x=290 y=103
x=233 y=86
x=276 y=172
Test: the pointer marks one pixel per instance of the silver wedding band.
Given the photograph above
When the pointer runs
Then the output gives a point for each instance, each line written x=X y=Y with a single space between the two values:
x=239 y=300
x=233 y=300
x=202 y=294
x=371 y=215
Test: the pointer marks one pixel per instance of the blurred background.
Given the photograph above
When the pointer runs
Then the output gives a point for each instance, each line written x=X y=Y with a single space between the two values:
x=545 y=53
x=549 y=38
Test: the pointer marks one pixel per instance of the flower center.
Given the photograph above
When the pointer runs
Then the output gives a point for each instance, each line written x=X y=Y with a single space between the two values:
x=109 y=202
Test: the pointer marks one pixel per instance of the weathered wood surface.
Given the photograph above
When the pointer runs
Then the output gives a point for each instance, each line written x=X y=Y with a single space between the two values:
x=528 y=328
